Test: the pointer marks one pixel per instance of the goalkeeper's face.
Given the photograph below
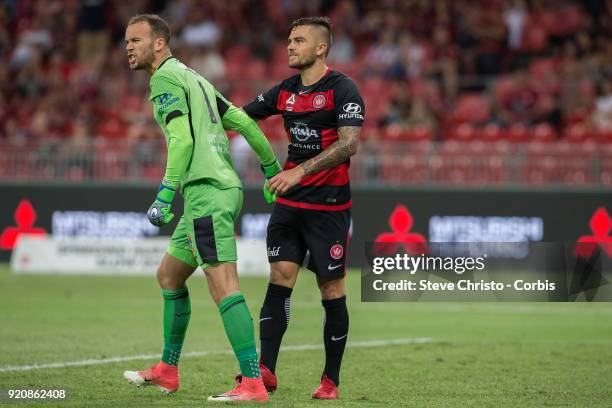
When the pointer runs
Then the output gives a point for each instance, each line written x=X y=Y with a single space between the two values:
x=139 y=46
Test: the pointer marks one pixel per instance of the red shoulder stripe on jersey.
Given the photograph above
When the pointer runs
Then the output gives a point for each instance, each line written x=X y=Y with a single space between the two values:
x=309 y=206
x=336 y=176
x=308 y=102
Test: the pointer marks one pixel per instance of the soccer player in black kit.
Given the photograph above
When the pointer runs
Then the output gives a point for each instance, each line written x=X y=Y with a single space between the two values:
x=323 y=113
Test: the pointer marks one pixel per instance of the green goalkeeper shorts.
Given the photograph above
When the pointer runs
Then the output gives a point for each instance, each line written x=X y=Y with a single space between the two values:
x=204 y=235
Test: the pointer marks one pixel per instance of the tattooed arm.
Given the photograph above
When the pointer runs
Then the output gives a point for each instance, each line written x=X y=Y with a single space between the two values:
x=338 y=152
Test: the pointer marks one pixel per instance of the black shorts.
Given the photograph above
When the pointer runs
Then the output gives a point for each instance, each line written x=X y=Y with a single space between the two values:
x=324 y=234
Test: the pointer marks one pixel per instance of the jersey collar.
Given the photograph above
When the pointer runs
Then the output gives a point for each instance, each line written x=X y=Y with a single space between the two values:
x=164 y=61
x=307 y=89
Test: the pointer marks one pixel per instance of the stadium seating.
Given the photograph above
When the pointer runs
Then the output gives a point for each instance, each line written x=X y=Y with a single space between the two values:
x=512 y=123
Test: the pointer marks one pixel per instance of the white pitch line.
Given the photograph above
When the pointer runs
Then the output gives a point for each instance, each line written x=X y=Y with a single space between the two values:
x=297 y=347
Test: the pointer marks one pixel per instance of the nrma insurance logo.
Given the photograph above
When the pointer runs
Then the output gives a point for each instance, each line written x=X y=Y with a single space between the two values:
x=164 y=100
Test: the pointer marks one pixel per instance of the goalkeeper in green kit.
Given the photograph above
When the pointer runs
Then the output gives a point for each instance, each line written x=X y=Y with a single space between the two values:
x=194 y=116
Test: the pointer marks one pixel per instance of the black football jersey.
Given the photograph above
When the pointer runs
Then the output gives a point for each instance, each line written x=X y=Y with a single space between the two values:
x=312 y=115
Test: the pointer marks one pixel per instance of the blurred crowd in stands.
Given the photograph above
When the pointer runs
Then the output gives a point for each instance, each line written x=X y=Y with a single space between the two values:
x=513 y=70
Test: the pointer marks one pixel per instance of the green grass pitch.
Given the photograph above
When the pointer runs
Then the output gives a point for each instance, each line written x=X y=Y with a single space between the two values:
x=479 y=354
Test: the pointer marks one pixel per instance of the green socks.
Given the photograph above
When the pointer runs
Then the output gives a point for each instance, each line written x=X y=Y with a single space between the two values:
x=239 y=329
x=236 y=319
x=177 y=311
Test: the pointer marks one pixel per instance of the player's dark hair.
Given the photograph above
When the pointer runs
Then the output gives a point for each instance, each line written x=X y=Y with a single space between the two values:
x=324 y=22
x=159 y=27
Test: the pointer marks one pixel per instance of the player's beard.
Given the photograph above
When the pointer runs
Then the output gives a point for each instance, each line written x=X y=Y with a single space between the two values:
x=304 y=63
x=145 y=60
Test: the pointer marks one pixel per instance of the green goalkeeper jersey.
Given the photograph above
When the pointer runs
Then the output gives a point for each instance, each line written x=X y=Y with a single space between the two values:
x=177 y=90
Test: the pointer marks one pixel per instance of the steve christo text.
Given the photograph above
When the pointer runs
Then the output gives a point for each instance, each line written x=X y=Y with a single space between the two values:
x=463 y=285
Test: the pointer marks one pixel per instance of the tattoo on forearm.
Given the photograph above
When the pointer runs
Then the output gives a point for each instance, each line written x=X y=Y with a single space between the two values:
x=338 y=152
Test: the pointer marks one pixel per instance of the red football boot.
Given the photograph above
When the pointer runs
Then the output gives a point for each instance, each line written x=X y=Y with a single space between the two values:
x=268 y=377
x=165 y=376
x=327 y=390
x=249 y=389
